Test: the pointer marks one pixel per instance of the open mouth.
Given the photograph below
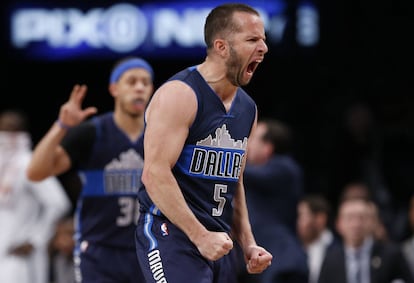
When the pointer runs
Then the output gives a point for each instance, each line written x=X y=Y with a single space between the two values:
x=138 y=101
x=252 y=66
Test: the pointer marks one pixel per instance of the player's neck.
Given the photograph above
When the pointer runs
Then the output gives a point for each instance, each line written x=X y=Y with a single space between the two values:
x=215 y=76
x=132 y=126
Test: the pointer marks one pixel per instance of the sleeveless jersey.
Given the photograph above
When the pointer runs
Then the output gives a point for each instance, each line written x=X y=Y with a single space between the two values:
x=107 y=209
x=209 y=166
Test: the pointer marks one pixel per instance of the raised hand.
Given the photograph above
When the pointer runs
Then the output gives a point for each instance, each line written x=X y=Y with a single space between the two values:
x=71 y=113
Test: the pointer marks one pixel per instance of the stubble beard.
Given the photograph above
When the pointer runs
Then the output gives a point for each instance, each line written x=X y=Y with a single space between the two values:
x=234 y=70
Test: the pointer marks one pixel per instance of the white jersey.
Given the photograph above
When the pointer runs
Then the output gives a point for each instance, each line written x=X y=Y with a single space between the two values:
x=28 y=212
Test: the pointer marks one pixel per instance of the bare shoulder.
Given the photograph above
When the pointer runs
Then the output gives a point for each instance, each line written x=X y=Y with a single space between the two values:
x=174 y=90
x=174 y=96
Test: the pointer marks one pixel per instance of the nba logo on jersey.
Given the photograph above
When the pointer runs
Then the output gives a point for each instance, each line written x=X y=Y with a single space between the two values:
x=164 y=229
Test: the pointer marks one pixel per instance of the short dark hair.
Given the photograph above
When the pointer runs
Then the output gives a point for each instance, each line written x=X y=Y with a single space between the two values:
x=317 y=203
x=220 y=21
x=277 y=133
x=13 y=120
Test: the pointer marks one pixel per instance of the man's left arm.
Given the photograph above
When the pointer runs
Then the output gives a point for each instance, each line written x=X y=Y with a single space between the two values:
x=257 y=258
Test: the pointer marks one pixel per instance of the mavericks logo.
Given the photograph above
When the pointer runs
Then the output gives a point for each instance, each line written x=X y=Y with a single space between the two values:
x=218 y=157
x=123 y=175
x=221 y=164
x=156 y=267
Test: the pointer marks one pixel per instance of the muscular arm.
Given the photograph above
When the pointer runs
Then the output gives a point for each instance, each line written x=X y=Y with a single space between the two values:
x=49 y=158
x=169 y=116
x=241 y=228
x=257 y=258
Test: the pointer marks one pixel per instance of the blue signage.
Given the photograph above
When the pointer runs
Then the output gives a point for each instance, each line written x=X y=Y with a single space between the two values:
x=149 y=29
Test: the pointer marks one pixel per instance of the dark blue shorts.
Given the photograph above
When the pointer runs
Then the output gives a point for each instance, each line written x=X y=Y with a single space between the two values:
x=107 y=265
x=167 y=255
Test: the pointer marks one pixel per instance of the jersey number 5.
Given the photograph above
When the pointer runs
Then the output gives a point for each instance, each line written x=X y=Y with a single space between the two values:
x=219 y=191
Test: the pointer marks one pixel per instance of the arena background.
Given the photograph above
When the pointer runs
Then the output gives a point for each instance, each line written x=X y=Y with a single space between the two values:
x=363 y=54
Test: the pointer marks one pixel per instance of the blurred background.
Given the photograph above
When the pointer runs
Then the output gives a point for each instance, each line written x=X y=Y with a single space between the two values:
x=338 y=72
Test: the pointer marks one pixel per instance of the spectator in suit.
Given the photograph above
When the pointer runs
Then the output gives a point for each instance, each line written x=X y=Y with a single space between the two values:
x=274 y=185
x=359 y=189
x=314 y=231
x=361 y=258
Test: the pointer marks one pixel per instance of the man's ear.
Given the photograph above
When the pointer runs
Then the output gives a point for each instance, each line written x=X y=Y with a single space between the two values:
x=338 y=225
x=268 y=148
x=321 y=219
x=112 y=89
x=221 y=47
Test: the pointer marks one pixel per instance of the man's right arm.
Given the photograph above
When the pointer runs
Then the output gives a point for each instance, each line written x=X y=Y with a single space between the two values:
x=49 y=157
x=169 y=116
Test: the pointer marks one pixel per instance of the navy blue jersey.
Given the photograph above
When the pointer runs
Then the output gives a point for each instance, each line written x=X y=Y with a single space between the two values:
x=209 y=166
x=110 y=167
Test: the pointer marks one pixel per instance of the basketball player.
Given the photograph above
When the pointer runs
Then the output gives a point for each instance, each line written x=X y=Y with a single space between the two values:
x=107 y=152
x=197 y=126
